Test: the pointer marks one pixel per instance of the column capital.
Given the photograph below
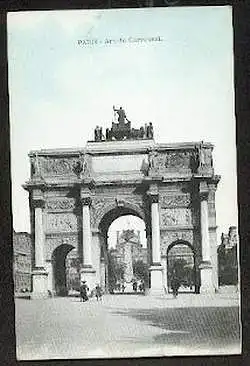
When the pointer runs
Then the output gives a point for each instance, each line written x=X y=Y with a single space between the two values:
x=38 y=203
x=154 y=197
x=153 y=193
x=86 y=201
x=212 y=187
x=203 y=195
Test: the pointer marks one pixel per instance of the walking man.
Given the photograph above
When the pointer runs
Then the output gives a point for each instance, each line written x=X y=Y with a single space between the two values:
x=84 y=291
x=175 y=284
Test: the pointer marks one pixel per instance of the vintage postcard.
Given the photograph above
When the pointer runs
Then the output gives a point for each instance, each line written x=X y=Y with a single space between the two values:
x=124 y=184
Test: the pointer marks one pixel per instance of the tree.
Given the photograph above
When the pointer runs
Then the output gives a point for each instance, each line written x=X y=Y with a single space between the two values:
x=140 y=270
x=228 y=265
x=115 y=271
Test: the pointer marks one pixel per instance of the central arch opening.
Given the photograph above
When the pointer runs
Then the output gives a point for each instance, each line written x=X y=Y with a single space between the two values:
x=124 y=252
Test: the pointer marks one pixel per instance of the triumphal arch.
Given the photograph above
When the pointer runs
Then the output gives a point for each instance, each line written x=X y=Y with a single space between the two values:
x=75 y=194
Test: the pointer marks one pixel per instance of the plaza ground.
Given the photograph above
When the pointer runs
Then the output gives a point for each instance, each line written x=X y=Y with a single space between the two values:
x=128 y=326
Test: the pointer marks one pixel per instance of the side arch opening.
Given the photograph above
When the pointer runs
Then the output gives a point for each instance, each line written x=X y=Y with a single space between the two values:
x=65 y=271
x=181 y=264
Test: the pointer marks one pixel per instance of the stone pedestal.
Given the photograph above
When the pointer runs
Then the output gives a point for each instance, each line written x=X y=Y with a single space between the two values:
x=88 y=274
x=39 y=284
x=156 y=286
x=206 y=278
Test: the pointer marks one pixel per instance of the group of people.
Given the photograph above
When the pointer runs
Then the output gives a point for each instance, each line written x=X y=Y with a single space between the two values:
x=138 y=286
x=123 y=129
x=98 y=134
x=146 y=132
x=84 y=292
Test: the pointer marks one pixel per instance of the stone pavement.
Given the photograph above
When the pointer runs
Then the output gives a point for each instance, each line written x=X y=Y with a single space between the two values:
x=127 y=326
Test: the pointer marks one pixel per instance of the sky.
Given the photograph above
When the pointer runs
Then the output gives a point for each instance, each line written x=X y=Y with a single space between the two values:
x=60 y=88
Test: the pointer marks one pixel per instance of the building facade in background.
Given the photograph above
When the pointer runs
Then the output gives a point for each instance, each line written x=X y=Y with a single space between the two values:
x=228 y=257
x=130 y=238
x=22 y=261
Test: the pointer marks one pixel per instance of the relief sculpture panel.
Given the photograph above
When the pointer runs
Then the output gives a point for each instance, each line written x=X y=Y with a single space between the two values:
x=178 y=159
x=58 y=166
x=176 y=217
x=61 y=222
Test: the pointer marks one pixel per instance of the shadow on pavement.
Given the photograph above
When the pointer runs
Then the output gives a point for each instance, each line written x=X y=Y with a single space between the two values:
x=213 y=327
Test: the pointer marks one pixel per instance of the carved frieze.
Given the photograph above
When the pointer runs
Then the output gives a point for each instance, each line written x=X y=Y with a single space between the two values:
x=156 y=162
x=168 y=237
x=58 y=166
x=175 y=200
x=176 y=217
x=63 y=222
x=61 y=204
x=178 y=159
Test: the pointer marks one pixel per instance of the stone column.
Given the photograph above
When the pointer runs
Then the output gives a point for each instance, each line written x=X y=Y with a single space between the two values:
x=156 y=279
x=86 y=232
x=87 y=271
x=39 y=274
x=205 y=266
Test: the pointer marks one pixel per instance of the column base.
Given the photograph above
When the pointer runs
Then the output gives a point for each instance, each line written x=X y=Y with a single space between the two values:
x=156 y=286
x=207 y=286
x=88 y=274
x=39 y=284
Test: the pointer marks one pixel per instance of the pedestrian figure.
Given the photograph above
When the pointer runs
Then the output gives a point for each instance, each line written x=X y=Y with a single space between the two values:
x=175 y=284
x=84 y=291
x=123 y=287
x=142 y=286
x=98 y=292
x=135 y=286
